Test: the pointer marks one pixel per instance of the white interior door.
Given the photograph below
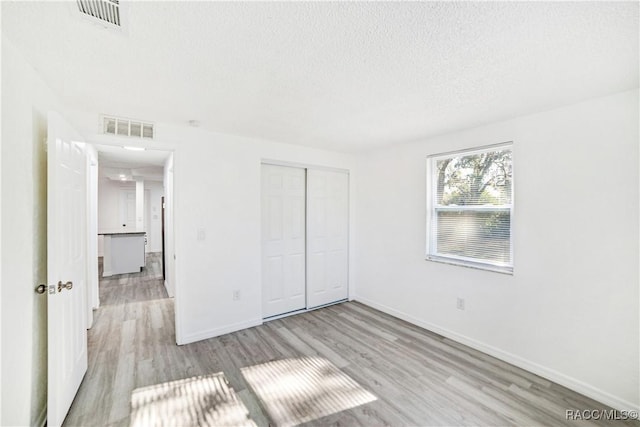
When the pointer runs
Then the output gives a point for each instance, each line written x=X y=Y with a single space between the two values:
x=283 y=240
x=327 y=237
x=128 y=209
x=66 y=264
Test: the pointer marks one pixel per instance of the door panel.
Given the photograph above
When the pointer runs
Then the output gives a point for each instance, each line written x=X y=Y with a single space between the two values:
x=128 y=208
x=66 y=262
x=283 y=239
x=327 y=237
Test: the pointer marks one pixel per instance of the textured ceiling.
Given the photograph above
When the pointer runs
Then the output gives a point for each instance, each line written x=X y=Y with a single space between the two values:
x=345 y=76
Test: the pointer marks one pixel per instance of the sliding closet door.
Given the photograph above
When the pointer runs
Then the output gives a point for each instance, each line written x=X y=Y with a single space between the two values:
x=327 y=236
x=283 y=240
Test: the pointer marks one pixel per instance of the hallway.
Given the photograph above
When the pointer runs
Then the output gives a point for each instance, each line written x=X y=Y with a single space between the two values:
x=131 y=344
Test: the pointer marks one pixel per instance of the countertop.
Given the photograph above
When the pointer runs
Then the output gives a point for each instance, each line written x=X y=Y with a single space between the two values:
x=121 y=231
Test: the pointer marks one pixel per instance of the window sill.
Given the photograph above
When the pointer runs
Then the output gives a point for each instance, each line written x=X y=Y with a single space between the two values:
x=470 y=264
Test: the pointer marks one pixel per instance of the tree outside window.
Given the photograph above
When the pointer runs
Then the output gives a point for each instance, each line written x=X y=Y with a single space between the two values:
x=470 y=207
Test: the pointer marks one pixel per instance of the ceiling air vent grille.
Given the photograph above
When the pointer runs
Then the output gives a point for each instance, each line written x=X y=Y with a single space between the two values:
x=127 y=127
x=105 y=11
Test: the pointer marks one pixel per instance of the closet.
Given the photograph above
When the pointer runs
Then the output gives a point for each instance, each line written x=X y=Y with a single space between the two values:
x=305 y=238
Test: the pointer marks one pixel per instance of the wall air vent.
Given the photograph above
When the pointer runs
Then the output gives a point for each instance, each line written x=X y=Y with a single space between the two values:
x=105 y=11
x=127 y=127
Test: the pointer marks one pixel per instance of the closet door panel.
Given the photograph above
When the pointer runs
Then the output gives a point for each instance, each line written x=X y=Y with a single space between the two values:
x=327 y=237
x=283 y=239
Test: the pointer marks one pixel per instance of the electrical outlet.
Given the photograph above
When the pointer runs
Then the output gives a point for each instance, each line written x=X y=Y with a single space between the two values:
x=460 y=304
x=236 y=295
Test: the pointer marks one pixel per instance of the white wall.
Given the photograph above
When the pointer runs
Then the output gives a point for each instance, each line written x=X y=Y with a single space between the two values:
x=570 y=311
x=217 y=187
x=25 y=103
x=109 y=210
x=154 y=236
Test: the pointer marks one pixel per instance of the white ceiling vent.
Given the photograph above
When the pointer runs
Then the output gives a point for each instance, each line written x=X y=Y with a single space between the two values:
x=127 y=127
x=106 y=12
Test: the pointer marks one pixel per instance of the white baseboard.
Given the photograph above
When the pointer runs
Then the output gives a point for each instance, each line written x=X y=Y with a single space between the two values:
x=212 y=333
x=41 y=421
x=166 y=286
x=548 y=373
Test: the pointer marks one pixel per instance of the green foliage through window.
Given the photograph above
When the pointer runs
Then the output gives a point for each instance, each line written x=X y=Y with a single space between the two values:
x=476 y=179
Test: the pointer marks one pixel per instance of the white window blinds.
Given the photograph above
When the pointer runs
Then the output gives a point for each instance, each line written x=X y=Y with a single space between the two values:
x=470 y=206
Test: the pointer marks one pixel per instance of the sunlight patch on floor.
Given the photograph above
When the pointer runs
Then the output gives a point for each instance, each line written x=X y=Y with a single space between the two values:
x=294 y=391
x=198 y=401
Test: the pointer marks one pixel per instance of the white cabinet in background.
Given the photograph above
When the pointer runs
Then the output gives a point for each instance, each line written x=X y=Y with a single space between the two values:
x=123 y=252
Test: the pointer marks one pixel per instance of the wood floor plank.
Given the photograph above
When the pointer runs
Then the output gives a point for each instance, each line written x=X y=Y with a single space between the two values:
x=296 y=342
x=418 y=377
x=375 y=331
x=256 y=412
x=321 y=348
x=414 y=412
x=471 y=413
x=474 y=393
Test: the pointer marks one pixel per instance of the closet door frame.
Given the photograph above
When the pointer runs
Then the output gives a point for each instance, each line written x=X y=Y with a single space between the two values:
x=308 y=167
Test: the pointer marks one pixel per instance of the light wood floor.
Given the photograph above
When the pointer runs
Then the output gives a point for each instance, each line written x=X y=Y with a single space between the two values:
x=418 y=377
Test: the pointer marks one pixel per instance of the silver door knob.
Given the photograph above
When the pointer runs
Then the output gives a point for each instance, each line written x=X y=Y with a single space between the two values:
x=67 y=285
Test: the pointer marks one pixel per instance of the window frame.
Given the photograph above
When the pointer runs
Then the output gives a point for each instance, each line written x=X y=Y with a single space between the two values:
x=432 y=211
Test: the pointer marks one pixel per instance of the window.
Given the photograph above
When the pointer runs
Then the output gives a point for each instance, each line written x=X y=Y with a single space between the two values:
x=470 y=208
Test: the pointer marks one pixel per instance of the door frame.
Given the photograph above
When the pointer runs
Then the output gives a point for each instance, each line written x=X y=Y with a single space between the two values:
x=172 y=152
x=307 y=166
x=93 y=295
x=164 y=258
